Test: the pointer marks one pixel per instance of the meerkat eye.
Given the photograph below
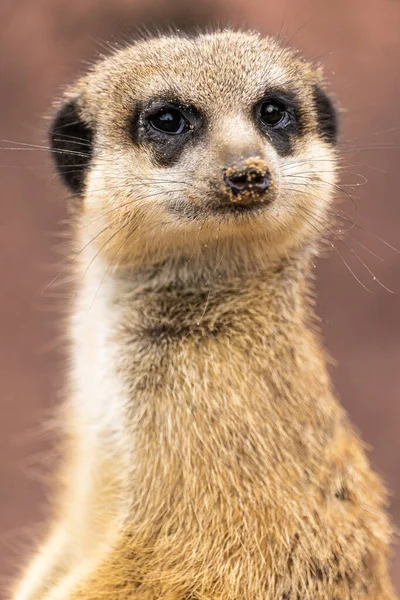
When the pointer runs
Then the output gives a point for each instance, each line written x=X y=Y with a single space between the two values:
x=272 y=113
x=169 y=120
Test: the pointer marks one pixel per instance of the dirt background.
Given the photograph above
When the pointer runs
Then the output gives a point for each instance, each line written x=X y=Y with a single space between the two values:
x=43 y=45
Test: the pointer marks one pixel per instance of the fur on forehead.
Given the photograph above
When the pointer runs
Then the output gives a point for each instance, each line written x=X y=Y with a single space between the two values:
x=220 y=68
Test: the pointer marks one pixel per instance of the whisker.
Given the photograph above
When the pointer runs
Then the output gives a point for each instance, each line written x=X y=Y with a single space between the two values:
x=334 y=185
x=368 y=232
x=363 y=178
x=38 y=148
x=353 y=252
x=130 y=233
x=69 y=263
x=76 y=141
x=100 y=250
x=341 y=257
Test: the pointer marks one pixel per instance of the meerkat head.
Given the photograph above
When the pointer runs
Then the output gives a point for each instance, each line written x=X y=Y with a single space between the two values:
x=175 y=144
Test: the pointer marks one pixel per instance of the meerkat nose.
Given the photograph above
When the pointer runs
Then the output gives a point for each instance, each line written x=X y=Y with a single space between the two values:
x=247 y=180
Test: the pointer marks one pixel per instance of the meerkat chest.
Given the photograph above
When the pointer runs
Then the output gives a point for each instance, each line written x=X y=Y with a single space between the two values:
x=230 y=437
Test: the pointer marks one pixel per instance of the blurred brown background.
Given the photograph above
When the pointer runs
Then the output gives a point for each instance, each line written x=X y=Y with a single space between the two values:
x=43 y=45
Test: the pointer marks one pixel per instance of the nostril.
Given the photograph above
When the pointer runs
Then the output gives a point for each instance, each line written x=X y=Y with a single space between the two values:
x=258 y=178
x=240 y=181
x=249 y=180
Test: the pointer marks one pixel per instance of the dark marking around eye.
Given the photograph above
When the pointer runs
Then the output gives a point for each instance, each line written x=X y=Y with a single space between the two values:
x=284 y=135
x=147 y=129
x=71 y=141
x=167 y=152
x=327 y=123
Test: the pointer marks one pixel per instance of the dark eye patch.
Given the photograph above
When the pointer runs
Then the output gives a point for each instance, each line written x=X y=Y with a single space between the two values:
x=327 y=122
x=167 y=146
x=283 y=134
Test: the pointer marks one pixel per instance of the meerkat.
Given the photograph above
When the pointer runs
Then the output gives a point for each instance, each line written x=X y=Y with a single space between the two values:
x=206 y=455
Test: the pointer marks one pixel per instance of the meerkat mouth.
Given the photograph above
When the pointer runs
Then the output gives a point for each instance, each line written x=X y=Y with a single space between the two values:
x=217 y=208
x=234 y=208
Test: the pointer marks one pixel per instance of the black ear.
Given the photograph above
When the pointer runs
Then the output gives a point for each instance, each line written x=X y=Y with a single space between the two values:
x=327 y=121
x=71 y=141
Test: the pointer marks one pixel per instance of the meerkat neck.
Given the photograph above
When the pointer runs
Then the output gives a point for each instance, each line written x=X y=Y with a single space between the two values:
x=205 y=368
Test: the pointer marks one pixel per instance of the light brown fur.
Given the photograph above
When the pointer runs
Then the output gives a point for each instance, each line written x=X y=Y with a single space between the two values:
x=208 y=457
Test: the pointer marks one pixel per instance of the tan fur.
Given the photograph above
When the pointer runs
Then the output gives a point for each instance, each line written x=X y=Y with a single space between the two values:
x=208 y=458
